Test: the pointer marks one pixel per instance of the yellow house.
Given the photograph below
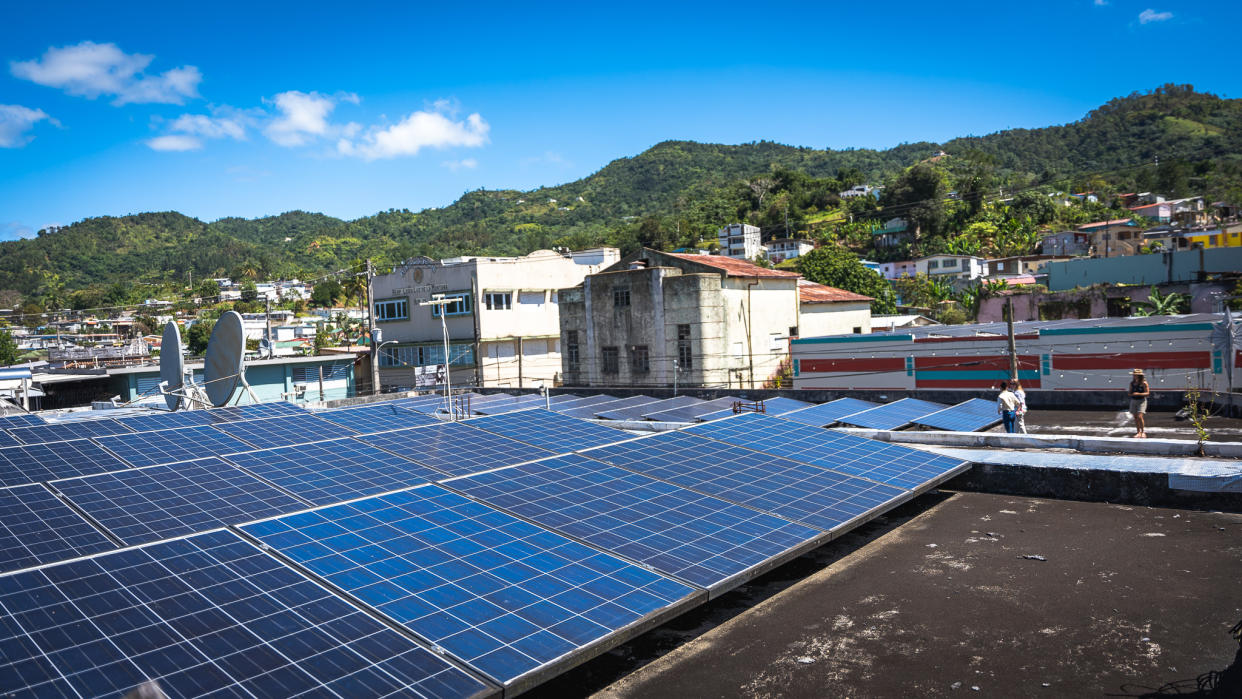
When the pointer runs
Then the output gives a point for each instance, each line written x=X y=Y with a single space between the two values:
x=1224 y=237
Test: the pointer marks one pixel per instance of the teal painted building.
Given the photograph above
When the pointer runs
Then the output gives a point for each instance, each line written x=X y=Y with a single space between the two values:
x=295 y=379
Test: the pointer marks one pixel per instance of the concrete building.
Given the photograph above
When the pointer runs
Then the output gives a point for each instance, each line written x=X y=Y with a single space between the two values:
x=1020 y=265
x=295 y=379
x=1066 y=243
x=699 y=320
x=961 y=269
x=1115 y=238
x=740 y=241
x=860 y=190
x=503 y=322
x=1104 y=301
x=782 y=249
x=894 y=232
x=897 y=270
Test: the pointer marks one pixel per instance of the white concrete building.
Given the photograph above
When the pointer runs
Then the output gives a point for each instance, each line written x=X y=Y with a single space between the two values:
x=959 y=268
x=783 y=249
x=826 y=310
x=503 y=322
x=740 y=241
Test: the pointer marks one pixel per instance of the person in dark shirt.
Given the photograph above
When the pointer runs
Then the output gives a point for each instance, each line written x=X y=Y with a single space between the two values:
x=1139 y=390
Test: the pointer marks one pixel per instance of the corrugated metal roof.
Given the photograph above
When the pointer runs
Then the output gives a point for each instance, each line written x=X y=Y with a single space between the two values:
x=810 y=292
x=733 y=267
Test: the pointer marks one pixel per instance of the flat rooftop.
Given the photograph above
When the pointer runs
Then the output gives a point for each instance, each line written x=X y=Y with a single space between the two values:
x=936 y=597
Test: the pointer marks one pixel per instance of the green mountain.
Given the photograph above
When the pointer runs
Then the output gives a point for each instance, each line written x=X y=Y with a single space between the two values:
x=671 y=194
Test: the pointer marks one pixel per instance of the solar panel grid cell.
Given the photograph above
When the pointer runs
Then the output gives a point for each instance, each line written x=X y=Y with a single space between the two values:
x=501 y=594
x=793 y=491
x=665 y=405
x=698 y=538
x=334 y=471
x=548 y=430
x=967 y=416
x=165 y=420
x=893 y=464
x=587 y=410
x=280 y=431
x=254 y=411
x=208 y=615
x=891 y=416
x=455 y=448
x=507 y=406
x=21 y=420
x=36 y=463
x=8 y=440
x=691 y=412
x=619 y=410
x=158 y=502
x=827 y=413
x=170 y=446
x=36 y=528
x=376 y=418
x=780 y=405
x=61 y=431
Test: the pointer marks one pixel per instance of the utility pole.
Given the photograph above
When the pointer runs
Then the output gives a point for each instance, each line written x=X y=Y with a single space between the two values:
x=271 y=341
x=442 y=303
x=375 y=379
x=1013 y=345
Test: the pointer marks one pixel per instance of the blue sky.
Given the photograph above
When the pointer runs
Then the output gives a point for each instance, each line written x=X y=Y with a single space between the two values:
x=245 y=109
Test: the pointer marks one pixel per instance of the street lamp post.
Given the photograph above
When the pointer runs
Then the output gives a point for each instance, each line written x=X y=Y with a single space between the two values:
x=439 y=300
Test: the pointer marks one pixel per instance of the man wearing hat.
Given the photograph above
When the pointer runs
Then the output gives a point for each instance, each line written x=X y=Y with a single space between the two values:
x=1139 y=390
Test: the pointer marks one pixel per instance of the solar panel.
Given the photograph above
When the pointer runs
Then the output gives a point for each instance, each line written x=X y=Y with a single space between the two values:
x=548 y=430
x=967 y=416
x=891 y=416
x=8 y=440
x=20 y=420
x=793 y=491
x=678 y=532
x=279 y=431
x=583 y=403
x=164 y=420
x=504 y=595
x=334 y=471
x=36 y=463
x=208 y=615
x=677 y=403
x=454 y=448
x=376 y=418
x=780 y=405
x=587 y=411
x=60 y=431
x=253 y=411
x=509 y=405
x=636 y=411
x=885 y=462
x=169 y=446
x=616 y=407
x=690 y=413
x=157 y=502
x=828 y=413
x=36 y=528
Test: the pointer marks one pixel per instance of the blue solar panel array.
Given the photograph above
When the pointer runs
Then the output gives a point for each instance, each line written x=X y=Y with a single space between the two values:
x=885 y=462
x=828 y=413
x=60 y=431
x=20 y=420
x=36 y=528
x=501 y=594
x=891 y=416
x=165 y=420
x=771 y=406
x=37 y=463
x=210 y=615
x=788 y=489
x=255 y=411
x=969 y=416
x=690 y=413
x=700 y=539
x=8 y=440
x=587 y=410
x=509 y=404
x=631 y=408
x=158 y=502
x=329 y=472
x=454 y=448
x=284 y=430
x=170 y=446
x=548 y=430
x=377 y=418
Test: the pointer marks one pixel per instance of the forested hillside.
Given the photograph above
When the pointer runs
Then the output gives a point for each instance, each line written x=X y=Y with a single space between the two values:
x=980 y=195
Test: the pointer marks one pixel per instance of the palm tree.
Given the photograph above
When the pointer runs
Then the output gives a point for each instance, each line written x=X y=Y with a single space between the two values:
x=1162 y=304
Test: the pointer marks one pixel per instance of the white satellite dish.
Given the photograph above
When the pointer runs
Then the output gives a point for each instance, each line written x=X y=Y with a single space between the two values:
x=222 y=366
x=172 y=365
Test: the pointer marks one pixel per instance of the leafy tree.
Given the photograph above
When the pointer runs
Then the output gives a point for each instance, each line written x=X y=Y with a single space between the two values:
x=326 y=293
x=918 y=196
x=198 y=335
x=923 y=291
x=833 y=266
x=249 y=291
x=8 y=348
x=1159 y=304
x=1036 y=206
x=208 y=290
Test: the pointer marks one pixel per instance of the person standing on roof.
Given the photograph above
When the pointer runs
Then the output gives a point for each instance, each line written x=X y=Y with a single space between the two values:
x=1007 y=406
x=1139 y=390
x=1020 y=426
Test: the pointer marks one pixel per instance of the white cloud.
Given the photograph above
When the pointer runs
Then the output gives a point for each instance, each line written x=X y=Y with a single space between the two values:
x=1149 y=15
x=303 y=116
x=433 y=128
x=16 y=121
x=1101 y=3
x=90 y=70
x=463 y=164
x=15 y=230
x=175 y=142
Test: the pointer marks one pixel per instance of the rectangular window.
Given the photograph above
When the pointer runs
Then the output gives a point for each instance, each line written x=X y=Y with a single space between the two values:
x=685 y=355
x=949 y=263
x=498 y=301
x=392 y=309
x=933 y=264
x=611 y=360
x=621 y=297
x=572 y=358
x=857 y=330
x=461 y=305
x=640 y=360
x=310 y=374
